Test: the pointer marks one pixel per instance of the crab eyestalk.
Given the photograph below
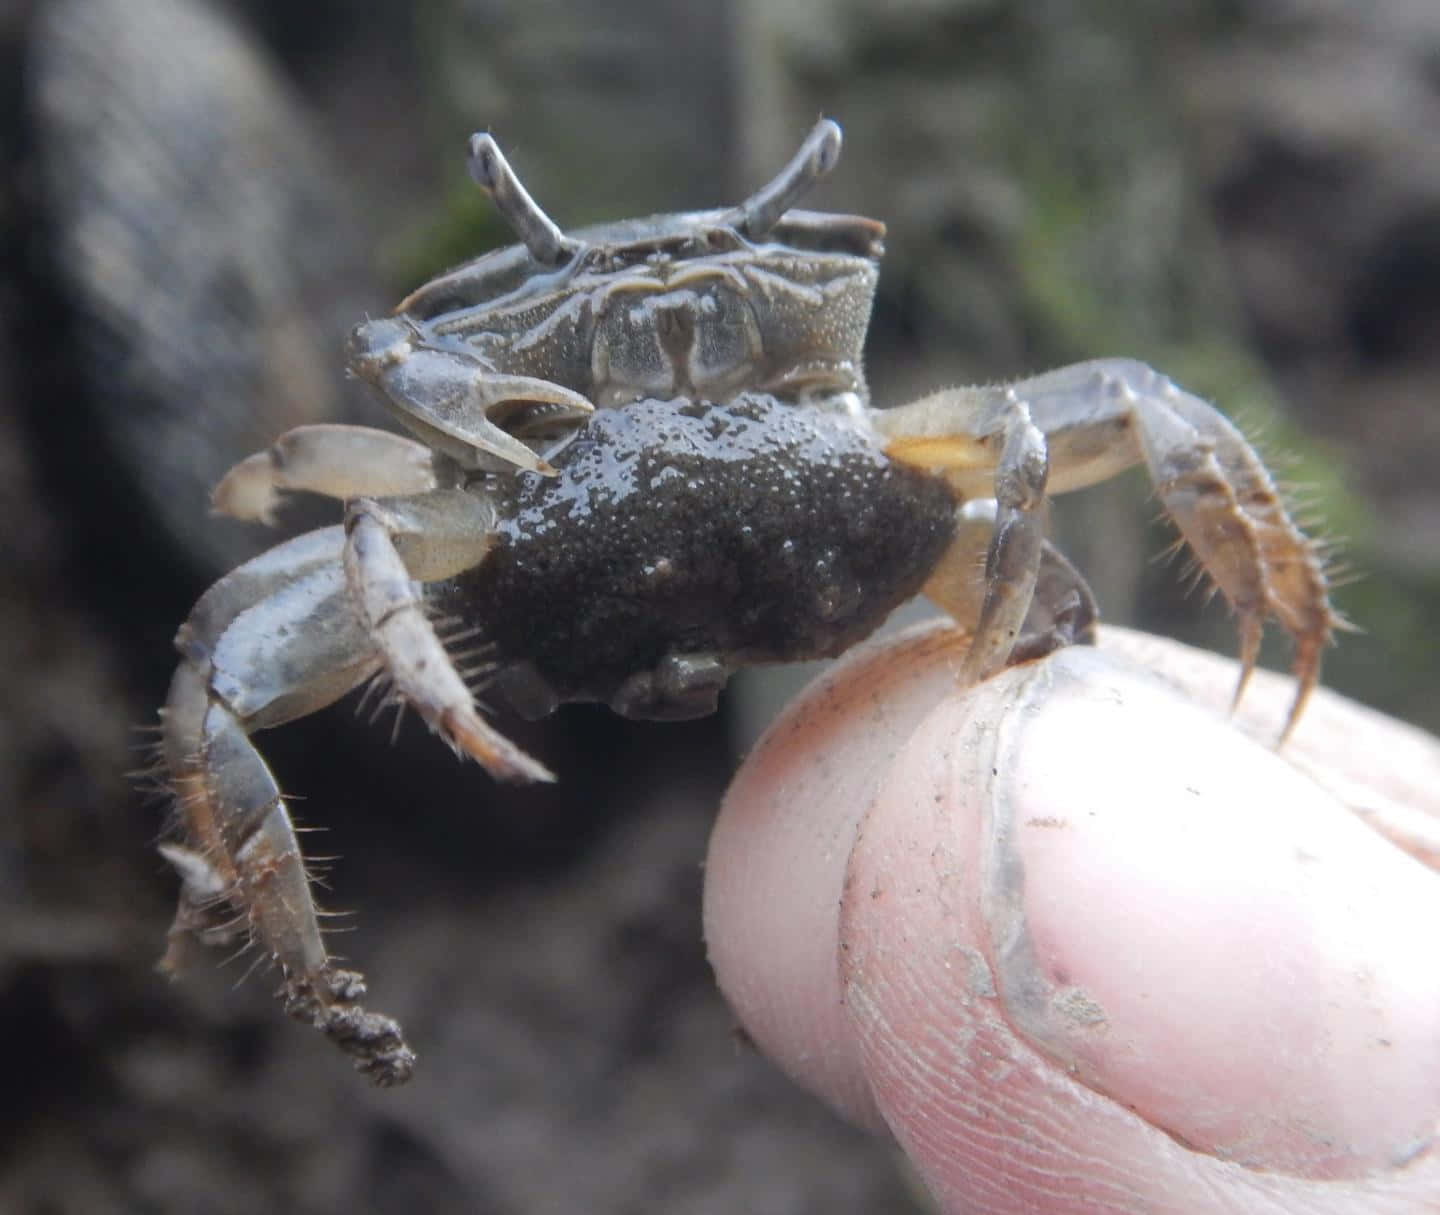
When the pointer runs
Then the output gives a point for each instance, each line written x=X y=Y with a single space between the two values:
x=758 y=214
x=537 y=231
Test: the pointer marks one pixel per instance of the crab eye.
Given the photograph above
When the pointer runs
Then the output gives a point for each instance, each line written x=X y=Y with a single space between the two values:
x=485 y=161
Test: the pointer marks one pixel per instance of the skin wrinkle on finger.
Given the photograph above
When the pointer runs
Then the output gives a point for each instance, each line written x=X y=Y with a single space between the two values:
x=987 y=1121
x=994 y=1127
x=993 y=1124
x=955 y=1083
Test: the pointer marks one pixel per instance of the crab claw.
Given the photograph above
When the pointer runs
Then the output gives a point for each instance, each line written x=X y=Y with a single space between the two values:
x=455 y=403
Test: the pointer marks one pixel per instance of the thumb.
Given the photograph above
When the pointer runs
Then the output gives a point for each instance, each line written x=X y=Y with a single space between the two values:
x=1087 y=948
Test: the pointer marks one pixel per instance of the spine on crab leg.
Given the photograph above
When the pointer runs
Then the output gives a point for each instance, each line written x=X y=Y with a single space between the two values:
x=272 y=641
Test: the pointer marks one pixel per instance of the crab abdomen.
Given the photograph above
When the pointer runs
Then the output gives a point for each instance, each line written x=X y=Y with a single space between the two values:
x=681 y=541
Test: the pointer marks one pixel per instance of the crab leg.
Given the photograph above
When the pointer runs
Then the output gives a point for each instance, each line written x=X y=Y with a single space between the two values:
x=331 y=459
x=274 y=640
x=1019 y=618
x=1101 y=417
x=389 y=547
x=1009 y=530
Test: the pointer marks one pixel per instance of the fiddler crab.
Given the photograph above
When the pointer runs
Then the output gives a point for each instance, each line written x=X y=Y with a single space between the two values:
x=644 y=457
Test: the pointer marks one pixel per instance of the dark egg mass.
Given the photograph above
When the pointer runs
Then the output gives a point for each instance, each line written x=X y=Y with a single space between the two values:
x=682 y=540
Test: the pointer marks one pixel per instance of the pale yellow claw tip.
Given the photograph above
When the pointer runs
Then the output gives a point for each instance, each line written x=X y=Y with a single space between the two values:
x=1307 y=674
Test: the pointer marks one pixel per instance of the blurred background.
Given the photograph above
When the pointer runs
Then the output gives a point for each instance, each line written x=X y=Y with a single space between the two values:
x=201 y=198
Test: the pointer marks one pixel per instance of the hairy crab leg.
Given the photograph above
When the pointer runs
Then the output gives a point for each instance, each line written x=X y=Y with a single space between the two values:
x=274 y=640
x=818 y=154
x=390 y=547
x=335 y=460
x=1101 y=417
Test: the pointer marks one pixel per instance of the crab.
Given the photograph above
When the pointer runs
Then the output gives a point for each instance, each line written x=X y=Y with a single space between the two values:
x=644 y=456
